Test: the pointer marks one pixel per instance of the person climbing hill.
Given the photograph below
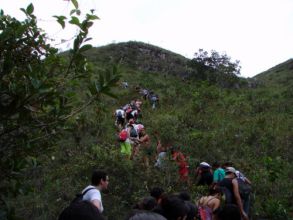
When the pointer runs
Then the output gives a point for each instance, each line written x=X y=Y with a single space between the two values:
x=209 y=205
x=120 y=118
x=145 y=146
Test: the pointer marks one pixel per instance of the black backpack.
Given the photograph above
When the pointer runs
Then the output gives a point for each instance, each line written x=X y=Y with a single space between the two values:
x=79 y=209
x=133 y=132
x=244 y=188
x=227 y=195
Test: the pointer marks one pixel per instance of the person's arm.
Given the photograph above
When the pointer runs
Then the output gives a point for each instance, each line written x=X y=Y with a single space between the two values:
x=247 y=180
x=97 y=203
x=238 y=198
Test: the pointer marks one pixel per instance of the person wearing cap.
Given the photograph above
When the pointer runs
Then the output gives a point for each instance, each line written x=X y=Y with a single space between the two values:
x=204 y=174
x=230 y=183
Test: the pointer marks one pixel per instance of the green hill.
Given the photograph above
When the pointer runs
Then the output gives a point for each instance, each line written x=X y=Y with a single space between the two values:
x=252 y=128
x=141 y=56
x=280 y=75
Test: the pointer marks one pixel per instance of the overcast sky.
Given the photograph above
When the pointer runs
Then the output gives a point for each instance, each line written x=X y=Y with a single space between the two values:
x=259 y=33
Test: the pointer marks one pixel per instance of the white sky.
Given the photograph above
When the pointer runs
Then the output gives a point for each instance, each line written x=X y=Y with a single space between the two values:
x=259 y=33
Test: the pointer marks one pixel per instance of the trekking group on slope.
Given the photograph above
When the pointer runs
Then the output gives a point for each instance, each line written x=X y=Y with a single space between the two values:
x=224 y=201
x=229 y=189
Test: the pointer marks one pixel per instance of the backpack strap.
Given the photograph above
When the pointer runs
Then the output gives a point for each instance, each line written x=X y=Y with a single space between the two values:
x=87 y=191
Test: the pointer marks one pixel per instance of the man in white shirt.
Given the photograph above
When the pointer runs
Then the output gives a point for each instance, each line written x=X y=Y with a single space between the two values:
x=92 y=193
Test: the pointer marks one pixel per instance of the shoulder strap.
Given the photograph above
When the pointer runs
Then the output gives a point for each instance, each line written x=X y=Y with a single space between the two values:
x=87 y=190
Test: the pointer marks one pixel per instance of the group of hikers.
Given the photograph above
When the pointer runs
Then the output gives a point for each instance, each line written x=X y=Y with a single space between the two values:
x=229 y=189
x=224 y=201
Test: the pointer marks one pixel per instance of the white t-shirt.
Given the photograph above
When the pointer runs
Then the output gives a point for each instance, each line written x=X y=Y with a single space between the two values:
x=93 y=194
x=122 y=112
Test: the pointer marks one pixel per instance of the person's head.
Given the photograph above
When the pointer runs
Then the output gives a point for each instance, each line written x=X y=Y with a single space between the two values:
x=230 y=171
x=100 y=179
x=81 y=211
x=216 y=165
x=157 y=192
x=174 y=208
x=227 y=164
x=144 y=215
x=148 y=203
x=184 y=196
x=229 y=212
x=215 y=192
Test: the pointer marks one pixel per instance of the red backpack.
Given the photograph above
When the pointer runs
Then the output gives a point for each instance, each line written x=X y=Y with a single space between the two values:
x=123 y=135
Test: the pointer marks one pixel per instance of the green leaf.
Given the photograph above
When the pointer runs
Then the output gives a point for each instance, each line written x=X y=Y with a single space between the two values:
x=92 y=17
x=1 y=12
x=30 y=9
x=85 y=47
x=74 y=20
x=77 y=11
x=60 y=20
x=75 y=3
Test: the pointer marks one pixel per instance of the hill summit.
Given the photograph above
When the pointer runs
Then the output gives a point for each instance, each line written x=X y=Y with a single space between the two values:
x=141 y=56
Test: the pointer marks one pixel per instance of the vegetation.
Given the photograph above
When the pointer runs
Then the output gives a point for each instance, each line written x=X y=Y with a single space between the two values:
x=55 y=127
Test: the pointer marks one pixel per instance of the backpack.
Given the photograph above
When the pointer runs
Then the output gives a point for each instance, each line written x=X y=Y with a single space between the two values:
x=122 y=136
x=79 y=196
x=133 y=132
x=227 y=195
x=244 y=188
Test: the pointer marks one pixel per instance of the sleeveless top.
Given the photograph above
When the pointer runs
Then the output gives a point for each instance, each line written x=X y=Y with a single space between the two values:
x=227 y=182
x=205 y=212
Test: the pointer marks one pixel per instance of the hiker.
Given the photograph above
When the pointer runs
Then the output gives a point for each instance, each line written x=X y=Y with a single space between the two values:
x=144 y=93
x=124 y=85
x=244 y=189
x=147 y=203
x=125 y=145
x=192 y=208
x=120 y=118
x=144 y=215
x=230 y=183
x=219 y=173
x=133 y=137
x=174 y=208
x=157 y=193
x=154 y=99
x=181 y=161
x=204 y=174
x=135 y=141
x=209 y=205
x=99 y=182
x=145 y=146
x=161 y=153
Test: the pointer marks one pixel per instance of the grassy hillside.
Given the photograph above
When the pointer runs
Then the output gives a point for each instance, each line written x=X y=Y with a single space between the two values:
x=250 y=127
x=280 y=75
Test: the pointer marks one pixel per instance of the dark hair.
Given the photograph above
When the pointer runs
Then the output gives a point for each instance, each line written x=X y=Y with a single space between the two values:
x=97 y=176
x=156 y=192
x=216 y=190
x=84 y=210
x=174 y=207
x=184 y=195
x=228 y=164
x=144 y=215
x=216 y=164
x=147 y=203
